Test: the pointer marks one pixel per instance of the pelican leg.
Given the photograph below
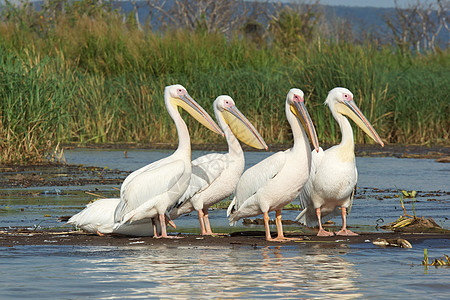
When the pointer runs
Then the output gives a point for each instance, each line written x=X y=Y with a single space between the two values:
x=162 y=221
x=279 y=224
x=155 y=228
x=321 y=232
x=280 y=233
x=344 y=230
x=201 y=220
x=206 y=220
x=208 y=230
x=266 y=226
x=100 y=234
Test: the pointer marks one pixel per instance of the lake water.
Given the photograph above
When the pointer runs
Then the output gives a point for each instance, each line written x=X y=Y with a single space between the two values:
x=303 y=271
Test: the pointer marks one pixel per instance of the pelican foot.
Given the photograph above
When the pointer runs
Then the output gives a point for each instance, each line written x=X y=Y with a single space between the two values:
x=277 y=239
x=100 y=234
x=324 y=233
x=346 y=232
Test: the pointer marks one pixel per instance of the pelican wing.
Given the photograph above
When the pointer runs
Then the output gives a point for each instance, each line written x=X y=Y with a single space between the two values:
x=97 y=216
x=305 y=194
x=148 y=184
x=147 y=168
x=353 y=192
x=258 y=176
x=307 y=215
x=205 y=170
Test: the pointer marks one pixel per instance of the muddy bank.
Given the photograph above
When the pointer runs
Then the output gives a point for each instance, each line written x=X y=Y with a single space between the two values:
x=57 y=175
x=16 y=237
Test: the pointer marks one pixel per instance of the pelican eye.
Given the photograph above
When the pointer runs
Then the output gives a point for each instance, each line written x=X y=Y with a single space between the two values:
x=347 y=97
x=298 y=98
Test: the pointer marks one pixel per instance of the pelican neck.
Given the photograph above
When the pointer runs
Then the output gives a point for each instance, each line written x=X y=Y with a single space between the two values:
x=234 y=147
x=184 y=141
x=301 y=142
x=346 y=132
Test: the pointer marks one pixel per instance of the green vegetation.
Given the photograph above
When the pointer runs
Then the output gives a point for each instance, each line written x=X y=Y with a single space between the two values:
x=85 y=76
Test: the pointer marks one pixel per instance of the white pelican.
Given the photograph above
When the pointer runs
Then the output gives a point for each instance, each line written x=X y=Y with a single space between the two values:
x=277 y=180
x=215 y=176
x=149 y=191
x=333 y=172
x=98 y=217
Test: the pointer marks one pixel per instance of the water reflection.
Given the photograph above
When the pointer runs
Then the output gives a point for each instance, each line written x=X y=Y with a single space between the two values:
x=242 y=272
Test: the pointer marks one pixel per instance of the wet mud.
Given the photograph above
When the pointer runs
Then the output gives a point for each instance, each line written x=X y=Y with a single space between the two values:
x=23 y=176
x=16 y=237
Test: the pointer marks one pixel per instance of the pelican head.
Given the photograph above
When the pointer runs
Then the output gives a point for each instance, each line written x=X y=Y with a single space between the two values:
x=340 y=100
x=176 y=95
x=295 y=99
x=238 y=123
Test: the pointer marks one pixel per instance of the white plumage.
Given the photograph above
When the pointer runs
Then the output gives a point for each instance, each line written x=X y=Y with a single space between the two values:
x=151 y=190
x=333 y=176
x=214 y=176
x=98 y=217
x=277 y=180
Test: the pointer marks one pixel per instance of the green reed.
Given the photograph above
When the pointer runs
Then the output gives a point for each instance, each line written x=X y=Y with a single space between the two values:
x=94 y=79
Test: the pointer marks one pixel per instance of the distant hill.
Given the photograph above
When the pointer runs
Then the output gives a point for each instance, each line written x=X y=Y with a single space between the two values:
x=361 y=19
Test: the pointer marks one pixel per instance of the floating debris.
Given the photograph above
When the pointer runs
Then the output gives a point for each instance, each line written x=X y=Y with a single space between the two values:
x=411 y=194
x=64 y=218
x=437 y=262
x=402 y=243
x=414 y=224
x=137 y=242
x=54 y=191
x=445 y=159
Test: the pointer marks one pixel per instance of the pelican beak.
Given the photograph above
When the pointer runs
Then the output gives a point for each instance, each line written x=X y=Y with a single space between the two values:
x=242 y=128
x=299 y=110
x=170 y=222
x=194 y=109
x=350 y=109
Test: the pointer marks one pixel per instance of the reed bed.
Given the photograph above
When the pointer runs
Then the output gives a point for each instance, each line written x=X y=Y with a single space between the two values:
x=81 y=79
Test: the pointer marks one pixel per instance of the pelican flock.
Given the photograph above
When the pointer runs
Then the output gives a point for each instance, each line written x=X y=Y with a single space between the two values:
x=277 y=180
x=324 y=181
x=333 y=174
x=215 y=175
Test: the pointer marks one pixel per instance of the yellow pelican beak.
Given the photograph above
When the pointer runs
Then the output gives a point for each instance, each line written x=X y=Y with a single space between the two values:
x=170 y=222
x=350 y=109
x=299 y=110
x=242 y=128
x=194 y=109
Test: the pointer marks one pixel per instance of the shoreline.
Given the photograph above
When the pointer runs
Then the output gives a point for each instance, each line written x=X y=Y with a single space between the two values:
x=371 y=150
x=25 y=237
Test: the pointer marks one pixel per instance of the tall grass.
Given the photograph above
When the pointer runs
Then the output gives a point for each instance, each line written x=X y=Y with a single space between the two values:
x=93 y=79
x=31 y=116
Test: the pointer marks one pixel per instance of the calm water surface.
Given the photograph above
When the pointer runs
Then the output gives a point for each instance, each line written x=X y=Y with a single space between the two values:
x=303 y=271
